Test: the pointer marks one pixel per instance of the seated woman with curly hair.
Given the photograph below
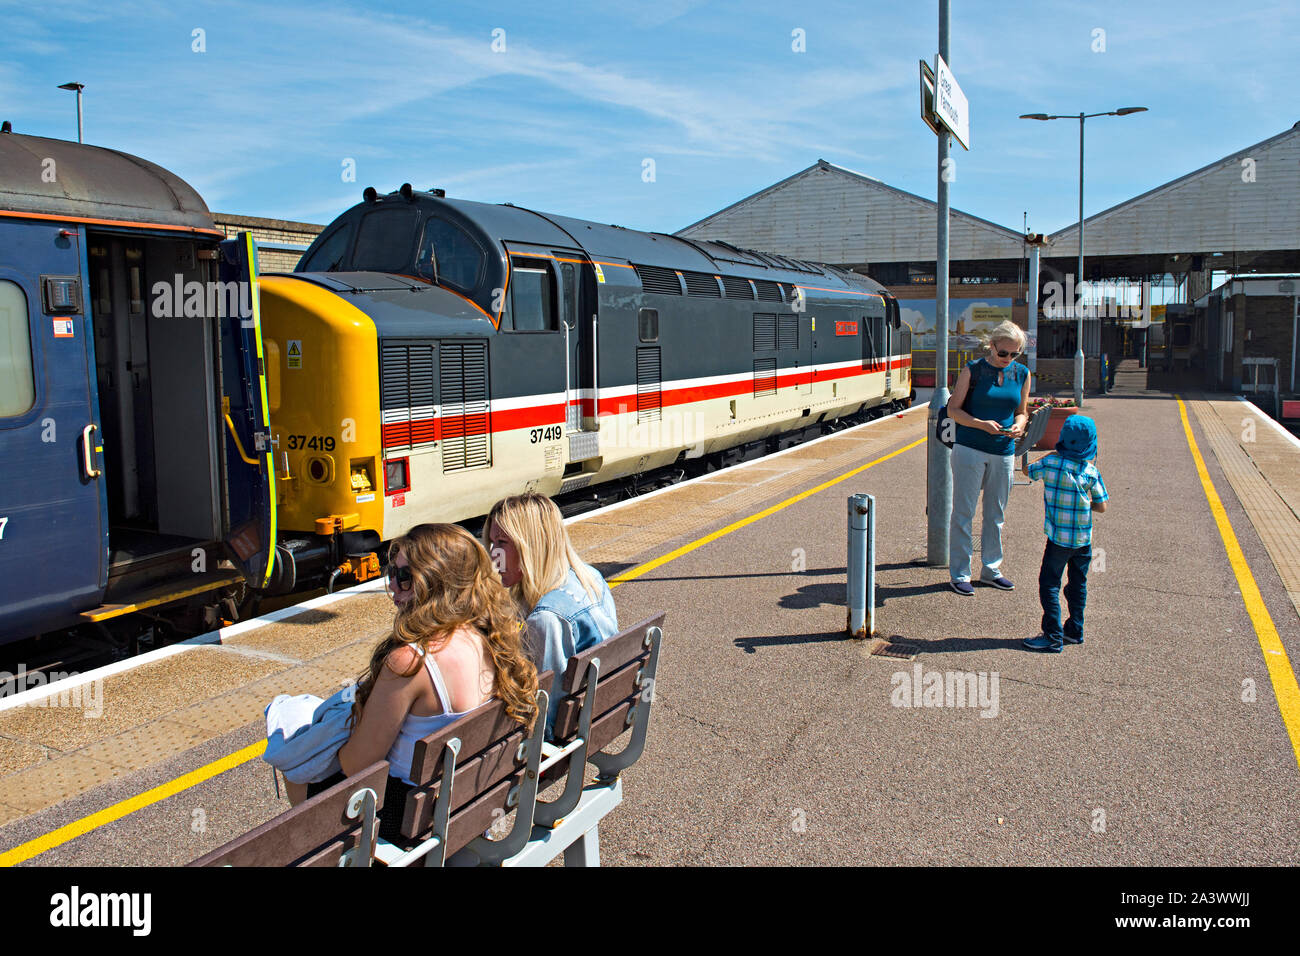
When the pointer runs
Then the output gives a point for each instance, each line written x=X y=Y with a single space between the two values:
x=456 y=643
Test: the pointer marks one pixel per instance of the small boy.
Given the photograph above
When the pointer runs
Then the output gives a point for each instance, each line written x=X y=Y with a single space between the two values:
x=1072 y=491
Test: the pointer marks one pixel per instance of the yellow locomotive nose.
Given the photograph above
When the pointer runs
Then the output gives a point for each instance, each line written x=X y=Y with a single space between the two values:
x=323 y=386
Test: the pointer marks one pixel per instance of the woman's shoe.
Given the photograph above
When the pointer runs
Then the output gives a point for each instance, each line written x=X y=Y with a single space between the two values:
x=1001 y=583
x=962 y=587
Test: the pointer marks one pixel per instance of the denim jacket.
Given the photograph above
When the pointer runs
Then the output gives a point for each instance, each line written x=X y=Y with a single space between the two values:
x=566 y=622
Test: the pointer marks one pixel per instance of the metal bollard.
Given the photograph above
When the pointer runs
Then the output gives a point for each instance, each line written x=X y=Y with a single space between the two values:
x=862 y=566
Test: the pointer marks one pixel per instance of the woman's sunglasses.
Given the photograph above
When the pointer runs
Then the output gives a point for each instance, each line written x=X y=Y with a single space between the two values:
x=1002 y=354
x=399 y=579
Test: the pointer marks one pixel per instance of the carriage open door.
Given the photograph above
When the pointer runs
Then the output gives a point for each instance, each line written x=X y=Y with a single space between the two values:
x=249 y=455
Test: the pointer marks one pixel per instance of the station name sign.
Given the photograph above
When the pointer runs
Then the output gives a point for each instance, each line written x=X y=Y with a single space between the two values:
x=943 y=105
x=950 y=105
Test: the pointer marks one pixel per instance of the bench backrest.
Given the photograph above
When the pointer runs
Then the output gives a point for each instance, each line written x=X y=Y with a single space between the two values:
x=623 y=659
x=491 y=757
x=317 y=832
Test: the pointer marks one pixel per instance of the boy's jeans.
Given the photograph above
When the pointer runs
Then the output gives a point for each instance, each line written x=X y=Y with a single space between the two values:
x=973 y=471
x=1055 y=559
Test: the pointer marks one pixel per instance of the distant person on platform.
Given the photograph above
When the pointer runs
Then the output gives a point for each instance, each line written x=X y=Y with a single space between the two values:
x=1072 y=491
x=990 y=408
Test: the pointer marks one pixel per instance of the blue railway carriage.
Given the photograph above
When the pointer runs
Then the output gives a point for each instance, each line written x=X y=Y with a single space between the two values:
x=134 y=455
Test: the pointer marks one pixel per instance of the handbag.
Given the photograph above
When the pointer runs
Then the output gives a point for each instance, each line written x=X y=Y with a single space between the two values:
x=944 y=432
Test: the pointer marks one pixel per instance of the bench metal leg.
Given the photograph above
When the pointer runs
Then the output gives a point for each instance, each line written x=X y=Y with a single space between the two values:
x=584 y=851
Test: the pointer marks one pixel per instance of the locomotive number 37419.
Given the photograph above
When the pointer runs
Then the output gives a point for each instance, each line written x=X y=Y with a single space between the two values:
x=549 y=433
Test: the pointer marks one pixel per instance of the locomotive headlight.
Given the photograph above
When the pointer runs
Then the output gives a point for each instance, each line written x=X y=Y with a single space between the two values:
x=320 y=469
x=396 y=476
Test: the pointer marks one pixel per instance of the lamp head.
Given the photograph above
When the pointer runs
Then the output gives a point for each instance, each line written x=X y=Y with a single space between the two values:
x=72 y=86
x=1035 y=116
x=1124 y=111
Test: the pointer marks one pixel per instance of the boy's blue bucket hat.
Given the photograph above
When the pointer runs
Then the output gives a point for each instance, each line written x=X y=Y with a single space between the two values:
x=1078 y=439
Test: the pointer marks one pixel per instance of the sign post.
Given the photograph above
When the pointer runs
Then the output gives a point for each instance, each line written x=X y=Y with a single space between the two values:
x=945 y=112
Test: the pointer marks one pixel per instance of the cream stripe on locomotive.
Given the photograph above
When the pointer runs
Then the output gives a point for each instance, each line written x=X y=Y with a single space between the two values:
x=532 y=451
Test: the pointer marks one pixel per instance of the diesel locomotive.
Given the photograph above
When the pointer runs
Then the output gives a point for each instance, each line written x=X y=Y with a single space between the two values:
x=429 y=355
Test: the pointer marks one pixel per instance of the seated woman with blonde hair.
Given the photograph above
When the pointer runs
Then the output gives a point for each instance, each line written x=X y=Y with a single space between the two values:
x=567 y=602
x=456 y=643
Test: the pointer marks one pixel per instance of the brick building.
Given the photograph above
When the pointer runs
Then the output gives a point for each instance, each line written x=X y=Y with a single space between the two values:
x=280 y=242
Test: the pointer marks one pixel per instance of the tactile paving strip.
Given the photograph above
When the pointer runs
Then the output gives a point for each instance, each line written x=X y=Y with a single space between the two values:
x=222 y=714
x=145 y=746
x=55 y=780
x=10 y=814
x=299 y=680
x=1274 y=520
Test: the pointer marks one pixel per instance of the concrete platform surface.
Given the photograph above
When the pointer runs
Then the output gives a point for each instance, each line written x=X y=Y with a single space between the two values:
x=776 y=739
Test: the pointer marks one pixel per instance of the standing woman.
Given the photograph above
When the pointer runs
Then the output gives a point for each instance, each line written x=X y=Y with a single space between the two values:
x=990 y=407
x=567 y=602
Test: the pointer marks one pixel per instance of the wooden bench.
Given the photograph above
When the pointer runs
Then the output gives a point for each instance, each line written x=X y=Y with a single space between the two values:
x=471 y=776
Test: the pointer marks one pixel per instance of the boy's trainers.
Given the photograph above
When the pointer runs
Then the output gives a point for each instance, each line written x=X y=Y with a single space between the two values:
x=1044 y=643
x=1073 y=640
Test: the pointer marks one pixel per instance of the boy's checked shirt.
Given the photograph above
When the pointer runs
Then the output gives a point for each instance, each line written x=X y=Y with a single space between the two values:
x=1069 y=490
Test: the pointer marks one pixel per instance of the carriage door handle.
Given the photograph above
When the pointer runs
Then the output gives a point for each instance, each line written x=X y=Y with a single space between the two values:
x=88 y=453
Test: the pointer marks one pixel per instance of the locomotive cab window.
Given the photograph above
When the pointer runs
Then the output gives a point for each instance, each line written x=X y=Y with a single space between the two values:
x=17 y=375
x=532 y=296
x=385 y=239
x=450 y=255
x=330 y=254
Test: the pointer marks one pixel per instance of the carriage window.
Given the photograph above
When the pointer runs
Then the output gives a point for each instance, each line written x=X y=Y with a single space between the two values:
x=448 y=248
x=531 y=302
x=17 y=376
x=330 y=254
x=385 y=239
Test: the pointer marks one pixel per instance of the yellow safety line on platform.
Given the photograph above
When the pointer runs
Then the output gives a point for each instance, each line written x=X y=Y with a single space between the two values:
x=743 y=522
x=77 y=828
x=1275 y=657
x=80 y=827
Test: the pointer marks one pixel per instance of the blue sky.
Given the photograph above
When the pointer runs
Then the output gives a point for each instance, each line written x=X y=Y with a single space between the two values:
x=564 y=117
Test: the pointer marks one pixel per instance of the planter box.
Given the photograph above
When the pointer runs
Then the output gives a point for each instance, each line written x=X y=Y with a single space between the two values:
x=1054 y=422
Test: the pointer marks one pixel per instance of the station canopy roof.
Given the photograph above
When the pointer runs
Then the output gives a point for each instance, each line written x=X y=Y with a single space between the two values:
x=59 y=178
x=1242 y=208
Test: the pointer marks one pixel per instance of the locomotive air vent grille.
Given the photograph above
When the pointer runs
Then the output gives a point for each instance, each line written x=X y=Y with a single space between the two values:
x=466 y=406
x=406 y=398
x=768 y=291
x=764 y=377
x=656 y=279
x=764 y=332
x=789 y=332
x=701 y=283
x=649 y=398
x=737 y=288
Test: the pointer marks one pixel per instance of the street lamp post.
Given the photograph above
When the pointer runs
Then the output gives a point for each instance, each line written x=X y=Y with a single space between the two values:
x=78 y=87
x=1078 y=355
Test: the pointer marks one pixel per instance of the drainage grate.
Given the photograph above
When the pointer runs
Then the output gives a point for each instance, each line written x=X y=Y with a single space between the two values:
x=896 y=651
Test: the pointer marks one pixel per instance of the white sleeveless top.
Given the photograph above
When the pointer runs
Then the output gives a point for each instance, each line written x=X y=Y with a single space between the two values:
x=416 y=728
